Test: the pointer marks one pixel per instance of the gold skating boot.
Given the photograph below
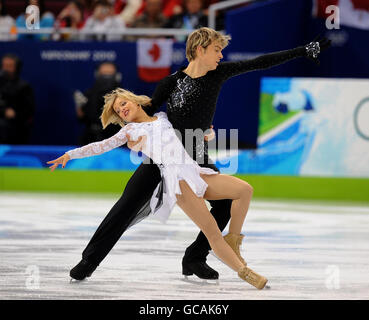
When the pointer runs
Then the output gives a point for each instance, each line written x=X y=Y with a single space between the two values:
x=252 y=277
x=235 y=241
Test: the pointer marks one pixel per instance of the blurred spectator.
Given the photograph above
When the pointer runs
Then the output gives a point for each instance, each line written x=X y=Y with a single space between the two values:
x=152 y=17
x=89 y=105
x=6 y=23
x=103 y=20
x=169 y=7
x=71 y=16
x=191 y=18
x=88 y=8
x=127 y=9
x=17 y=104
x=172 y=7
x=47 y=20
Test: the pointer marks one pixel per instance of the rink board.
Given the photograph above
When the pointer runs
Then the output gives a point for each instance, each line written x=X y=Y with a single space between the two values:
x=315 y=188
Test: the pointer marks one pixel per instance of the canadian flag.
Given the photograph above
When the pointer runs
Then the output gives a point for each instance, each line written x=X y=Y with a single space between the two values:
x=154 y=58
x=352 y=13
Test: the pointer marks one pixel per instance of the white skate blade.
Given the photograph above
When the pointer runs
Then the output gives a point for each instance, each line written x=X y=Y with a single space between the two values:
x=71 y=281
x=199 y=281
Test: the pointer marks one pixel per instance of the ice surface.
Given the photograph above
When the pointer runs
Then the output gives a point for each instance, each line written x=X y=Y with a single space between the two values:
x=306 y=250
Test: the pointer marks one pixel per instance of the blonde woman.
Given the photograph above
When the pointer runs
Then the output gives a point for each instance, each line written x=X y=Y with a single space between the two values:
x=183 y=181
x=191 y=95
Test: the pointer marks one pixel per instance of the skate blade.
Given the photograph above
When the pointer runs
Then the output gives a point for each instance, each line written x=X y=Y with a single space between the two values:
x=77 y=281
x=201 y=282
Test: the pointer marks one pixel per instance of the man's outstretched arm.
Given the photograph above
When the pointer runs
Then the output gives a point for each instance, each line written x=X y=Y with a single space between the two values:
x=310 y=51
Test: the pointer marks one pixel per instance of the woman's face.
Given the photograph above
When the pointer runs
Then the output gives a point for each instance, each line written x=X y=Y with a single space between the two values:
x=211 y=56
x=126 y=110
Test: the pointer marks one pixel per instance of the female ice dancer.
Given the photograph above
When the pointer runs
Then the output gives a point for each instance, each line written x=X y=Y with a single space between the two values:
x=183 y=180
x=191 y=94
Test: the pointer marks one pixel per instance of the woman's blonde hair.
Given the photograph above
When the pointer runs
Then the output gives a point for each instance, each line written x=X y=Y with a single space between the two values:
x=204 y=37
x=108 y=114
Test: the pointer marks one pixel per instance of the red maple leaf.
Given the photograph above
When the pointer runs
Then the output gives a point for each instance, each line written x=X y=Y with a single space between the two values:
x=154 y=52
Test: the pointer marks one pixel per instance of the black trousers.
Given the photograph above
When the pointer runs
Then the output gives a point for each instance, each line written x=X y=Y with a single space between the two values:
x=136 y=195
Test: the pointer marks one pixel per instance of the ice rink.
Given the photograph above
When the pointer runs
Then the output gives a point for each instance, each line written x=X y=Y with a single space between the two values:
x=306 y=250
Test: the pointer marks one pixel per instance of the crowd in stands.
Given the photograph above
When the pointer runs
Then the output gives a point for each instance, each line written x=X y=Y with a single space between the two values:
x=95 y=18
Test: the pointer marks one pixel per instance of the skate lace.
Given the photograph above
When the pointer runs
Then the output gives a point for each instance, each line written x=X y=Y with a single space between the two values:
x=239 y=241
x=247 y=274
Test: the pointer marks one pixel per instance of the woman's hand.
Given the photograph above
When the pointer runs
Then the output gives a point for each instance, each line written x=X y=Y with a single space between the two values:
x=61 y=160
x=211 y=135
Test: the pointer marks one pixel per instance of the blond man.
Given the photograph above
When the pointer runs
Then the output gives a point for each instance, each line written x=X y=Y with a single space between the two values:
x=191 y=94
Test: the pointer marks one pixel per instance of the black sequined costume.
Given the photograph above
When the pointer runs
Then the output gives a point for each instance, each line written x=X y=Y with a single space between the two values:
x=191 y=102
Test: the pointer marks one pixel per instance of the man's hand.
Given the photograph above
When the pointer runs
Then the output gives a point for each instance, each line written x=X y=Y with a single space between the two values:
x=136 y=145
x=211 y=135
x=315 y=47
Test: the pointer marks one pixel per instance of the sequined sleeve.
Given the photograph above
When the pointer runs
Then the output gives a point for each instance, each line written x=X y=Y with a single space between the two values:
x=232 y=68
x=161 y=94
x=99 y=147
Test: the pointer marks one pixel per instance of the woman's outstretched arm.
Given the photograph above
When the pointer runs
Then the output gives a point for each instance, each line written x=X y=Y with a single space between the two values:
x=99 y=147
x=92 y=149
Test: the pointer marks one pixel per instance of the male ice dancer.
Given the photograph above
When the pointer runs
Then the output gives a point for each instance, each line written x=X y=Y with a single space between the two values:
x=191 y=94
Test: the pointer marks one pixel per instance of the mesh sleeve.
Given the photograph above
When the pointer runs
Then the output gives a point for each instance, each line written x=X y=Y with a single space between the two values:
x=99 y=147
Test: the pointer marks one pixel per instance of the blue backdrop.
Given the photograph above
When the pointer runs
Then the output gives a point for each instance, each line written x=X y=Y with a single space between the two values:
x=256 y=29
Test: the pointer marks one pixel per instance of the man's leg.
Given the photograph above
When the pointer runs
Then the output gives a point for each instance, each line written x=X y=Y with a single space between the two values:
x=136 y=195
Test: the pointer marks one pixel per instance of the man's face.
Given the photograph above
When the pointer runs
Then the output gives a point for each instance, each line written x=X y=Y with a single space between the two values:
x=9 y=65
x=212 y=55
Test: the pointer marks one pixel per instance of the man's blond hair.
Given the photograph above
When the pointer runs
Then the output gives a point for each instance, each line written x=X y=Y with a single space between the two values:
x=204 y=37
x=108 y=114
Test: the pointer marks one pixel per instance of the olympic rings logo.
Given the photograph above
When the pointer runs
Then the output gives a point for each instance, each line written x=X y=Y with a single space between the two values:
x=361 y=118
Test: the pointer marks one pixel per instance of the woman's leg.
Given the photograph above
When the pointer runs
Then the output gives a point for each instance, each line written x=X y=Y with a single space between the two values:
x=196 y=209
x=223 y=186
x=196 y=253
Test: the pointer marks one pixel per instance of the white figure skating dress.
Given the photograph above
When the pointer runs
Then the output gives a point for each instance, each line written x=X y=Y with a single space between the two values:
x=166 y=150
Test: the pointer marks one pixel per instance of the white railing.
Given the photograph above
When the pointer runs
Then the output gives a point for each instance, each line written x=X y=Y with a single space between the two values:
x=133 y=31
x=125 y=31
x=213 y=8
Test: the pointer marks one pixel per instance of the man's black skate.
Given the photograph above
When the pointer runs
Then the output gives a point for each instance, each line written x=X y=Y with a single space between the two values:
x=200 y=269
x=82 y=270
